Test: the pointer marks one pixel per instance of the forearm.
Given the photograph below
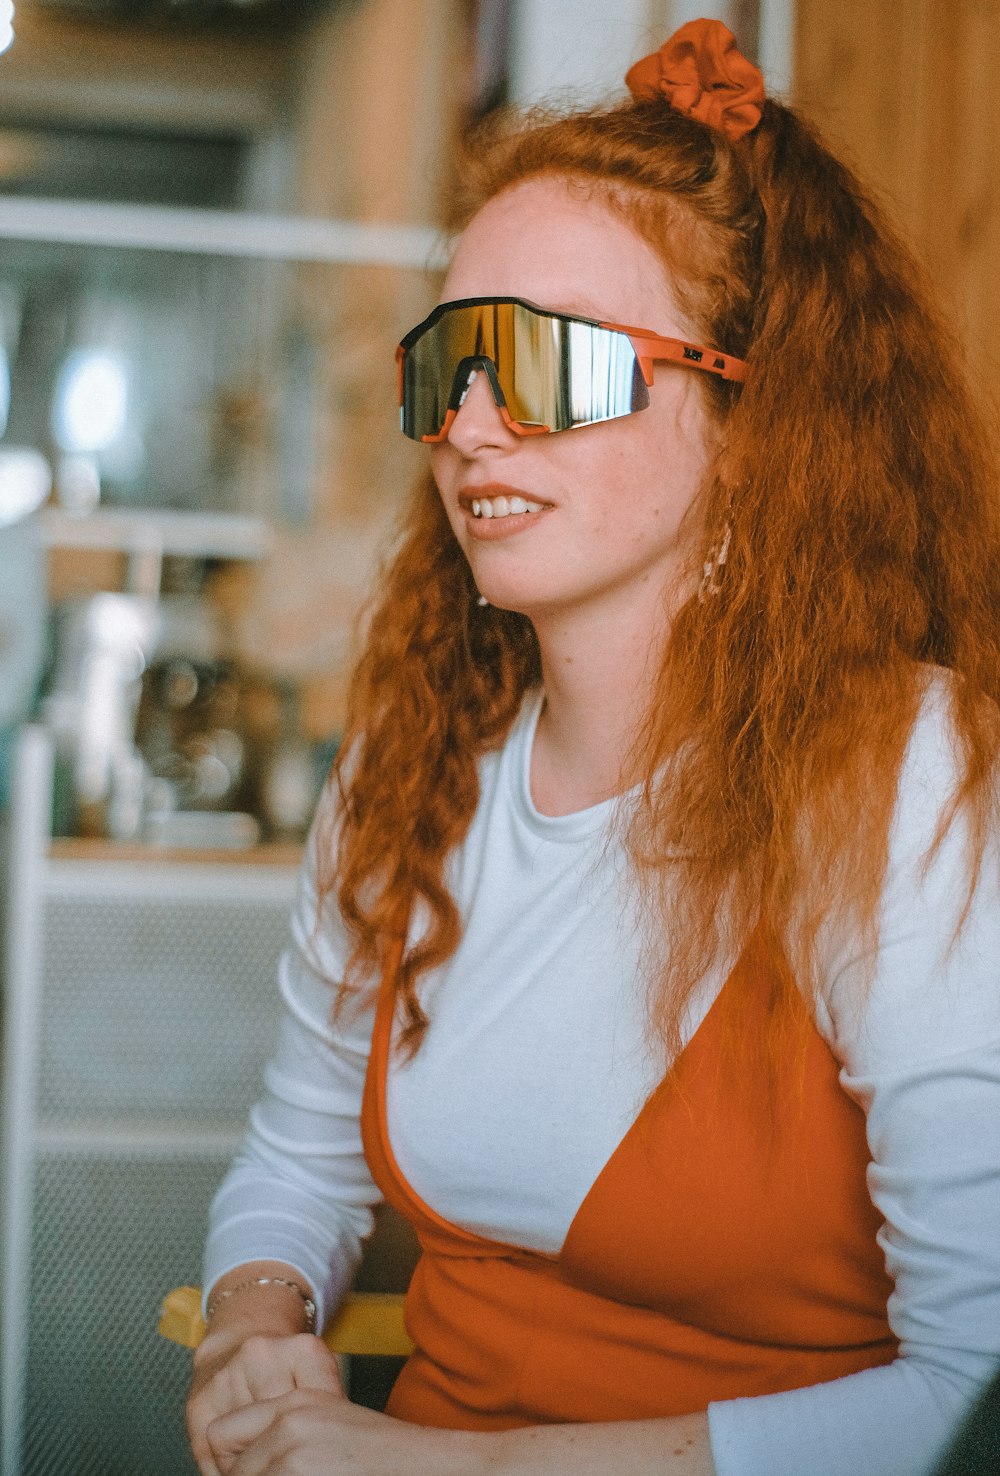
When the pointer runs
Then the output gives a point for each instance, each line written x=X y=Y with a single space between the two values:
x=667 y=1447
x=299 y=1190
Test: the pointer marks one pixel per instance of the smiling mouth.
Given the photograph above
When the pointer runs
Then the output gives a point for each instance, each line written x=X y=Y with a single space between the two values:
x=504 y=507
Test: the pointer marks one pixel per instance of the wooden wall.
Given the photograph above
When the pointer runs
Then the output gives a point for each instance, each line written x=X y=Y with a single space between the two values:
x=909 y=89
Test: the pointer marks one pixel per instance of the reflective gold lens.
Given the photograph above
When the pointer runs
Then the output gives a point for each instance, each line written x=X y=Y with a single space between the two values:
x=550 y=370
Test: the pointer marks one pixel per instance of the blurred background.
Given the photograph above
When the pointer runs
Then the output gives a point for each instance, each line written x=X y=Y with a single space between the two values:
x=217 y=217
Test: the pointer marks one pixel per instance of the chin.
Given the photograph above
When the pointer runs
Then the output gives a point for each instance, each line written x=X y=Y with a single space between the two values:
x=532 y=605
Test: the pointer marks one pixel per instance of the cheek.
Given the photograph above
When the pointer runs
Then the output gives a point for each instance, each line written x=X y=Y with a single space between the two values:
x=634 y=483
x=443 y=462
x=439 y=461
x=443 y=470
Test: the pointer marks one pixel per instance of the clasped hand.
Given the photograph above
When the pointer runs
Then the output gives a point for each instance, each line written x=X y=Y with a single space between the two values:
x=275 y=1406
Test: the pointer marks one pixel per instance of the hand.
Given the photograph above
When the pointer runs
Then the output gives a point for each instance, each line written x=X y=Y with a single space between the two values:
x=315 y=1432
x=234 y=1370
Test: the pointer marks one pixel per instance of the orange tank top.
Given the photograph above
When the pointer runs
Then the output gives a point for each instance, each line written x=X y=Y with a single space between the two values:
x=720 y=1252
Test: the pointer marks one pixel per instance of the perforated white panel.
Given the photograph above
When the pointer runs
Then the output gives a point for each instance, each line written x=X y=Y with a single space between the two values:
x=105 y=1392
x=157 y=1008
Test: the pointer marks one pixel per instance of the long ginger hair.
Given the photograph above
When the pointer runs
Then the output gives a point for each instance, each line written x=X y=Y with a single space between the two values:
x=858 y=485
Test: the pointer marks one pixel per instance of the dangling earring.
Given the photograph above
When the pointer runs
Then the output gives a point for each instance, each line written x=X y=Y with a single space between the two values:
x=711 y=575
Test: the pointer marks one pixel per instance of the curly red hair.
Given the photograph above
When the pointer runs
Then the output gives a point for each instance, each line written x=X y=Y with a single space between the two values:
x=861 y=492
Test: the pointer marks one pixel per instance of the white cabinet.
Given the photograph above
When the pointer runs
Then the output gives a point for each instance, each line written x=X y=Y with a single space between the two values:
x=139 y=1006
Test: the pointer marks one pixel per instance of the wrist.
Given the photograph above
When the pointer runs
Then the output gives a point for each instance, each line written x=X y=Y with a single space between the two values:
x=264 y=1307
x=263 y=1288
x=231 y=1328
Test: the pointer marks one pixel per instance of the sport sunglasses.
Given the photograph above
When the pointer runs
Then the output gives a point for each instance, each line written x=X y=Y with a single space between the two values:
x=547 y=371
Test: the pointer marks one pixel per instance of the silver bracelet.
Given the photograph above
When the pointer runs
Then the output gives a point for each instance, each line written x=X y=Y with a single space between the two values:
x=232 y=1291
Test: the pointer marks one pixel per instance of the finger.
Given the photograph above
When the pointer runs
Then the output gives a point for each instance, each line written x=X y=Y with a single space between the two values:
x=228 y=1393
x=266 y=1368
x=197 y=1420
x=228 y=1389
x=262 y=1369
x=203 y=1460
x=232 y=1433
x=316 y=1368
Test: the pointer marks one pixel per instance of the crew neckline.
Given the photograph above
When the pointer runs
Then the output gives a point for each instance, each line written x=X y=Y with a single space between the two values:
x=572 y=827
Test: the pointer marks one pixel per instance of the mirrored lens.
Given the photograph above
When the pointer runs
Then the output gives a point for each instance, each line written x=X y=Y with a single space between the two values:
x=552 y=371
x=605 y=380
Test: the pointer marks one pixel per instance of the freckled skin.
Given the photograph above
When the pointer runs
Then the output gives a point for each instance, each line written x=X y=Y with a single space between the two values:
x=620 y=489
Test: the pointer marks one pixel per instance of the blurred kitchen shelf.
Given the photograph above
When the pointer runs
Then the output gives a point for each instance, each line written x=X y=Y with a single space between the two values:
x=222 y=233
x=274 y=853
x=188 y=534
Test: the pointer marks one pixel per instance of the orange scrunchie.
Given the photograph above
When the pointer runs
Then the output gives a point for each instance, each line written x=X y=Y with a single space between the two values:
x=702 y=74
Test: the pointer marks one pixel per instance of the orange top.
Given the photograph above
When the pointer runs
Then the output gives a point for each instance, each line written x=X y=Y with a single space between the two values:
x=720 y=1252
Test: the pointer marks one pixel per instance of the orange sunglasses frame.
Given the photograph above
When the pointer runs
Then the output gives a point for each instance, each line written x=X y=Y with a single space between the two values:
x=649 y=347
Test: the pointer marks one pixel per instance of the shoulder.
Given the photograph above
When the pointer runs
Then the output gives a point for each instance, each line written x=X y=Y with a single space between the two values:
x=931 y=986
x=939 y=858
x=318 y=935
x=931 y=769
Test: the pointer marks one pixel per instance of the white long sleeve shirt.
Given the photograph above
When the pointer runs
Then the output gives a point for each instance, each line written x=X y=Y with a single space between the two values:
x=538 y=1060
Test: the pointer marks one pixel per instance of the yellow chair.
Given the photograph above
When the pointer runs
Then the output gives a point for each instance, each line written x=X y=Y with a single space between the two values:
x=367 y=1324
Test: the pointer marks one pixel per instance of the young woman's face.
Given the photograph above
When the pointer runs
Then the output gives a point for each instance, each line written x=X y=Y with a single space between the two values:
x=612 y=496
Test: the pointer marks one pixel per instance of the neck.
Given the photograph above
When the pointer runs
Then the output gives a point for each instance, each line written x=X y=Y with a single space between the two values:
x=598 y=672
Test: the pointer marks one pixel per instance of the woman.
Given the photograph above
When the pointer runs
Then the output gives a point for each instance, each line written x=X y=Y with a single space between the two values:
x=672 y=755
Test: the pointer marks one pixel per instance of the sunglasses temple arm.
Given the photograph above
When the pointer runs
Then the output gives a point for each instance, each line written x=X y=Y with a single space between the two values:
x=400 y=356
x=650 y=347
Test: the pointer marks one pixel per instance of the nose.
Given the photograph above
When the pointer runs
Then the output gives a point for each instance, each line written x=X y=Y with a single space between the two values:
x=478 y=424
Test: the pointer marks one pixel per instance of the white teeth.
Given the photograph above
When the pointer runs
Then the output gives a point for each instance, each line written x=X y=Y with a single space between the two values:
x=503 y=507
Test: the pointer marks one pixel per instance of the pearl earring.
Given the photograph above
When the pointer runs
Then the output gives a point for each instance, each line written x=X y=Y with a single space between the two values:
x=711 y=575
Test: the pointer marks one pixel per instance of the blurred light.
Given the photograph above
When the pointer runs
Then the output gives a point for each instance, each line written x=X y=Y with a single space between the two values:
x=78 y=484
x=91 y=401
x=6 y=23
x=4 y=389
x=25 y=481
